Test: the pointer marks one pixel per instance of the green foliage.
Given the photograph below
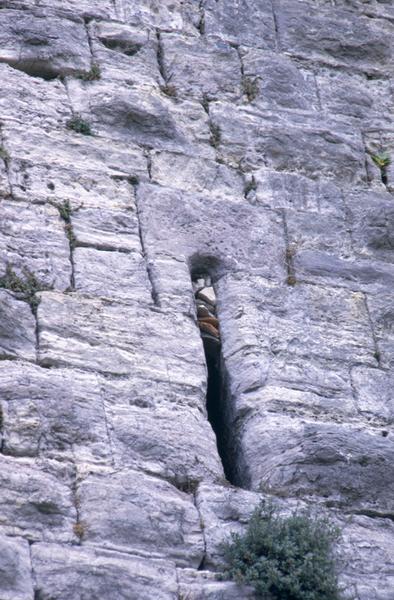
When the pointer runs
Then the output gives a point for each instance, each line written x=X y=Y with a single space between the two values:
x=4 y=153
x=250 y=88
x=382 y=160
x=24 y=288
x=285 y=558
x=78 y=124
x=93 y=75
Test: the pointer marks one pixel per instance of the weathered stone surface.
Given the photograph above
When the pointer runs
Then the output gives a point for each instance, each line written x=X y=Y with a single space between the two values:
x=102 y=341
x=25 y=232
x=275 y=80
x=171 y=442
x=245 y=22
x=90 y=573
x=199 y=68
x=204 y=585
x=15 y=569
x=57 y=414
x=42 y=44
x=234 y=146
x=35 y=502
x=335 y=37
x=120 y=275
x=62 y=165
x=127 y=510
x=17 y=328
x=250 y=139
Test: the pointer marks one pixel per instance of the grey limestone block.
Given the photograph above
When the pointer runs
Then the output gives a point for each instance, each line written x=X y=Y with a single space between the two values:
x=275 y=80
x=199 y=67
x=241 y=22
x=43 y=44
x=374 y=395
x=62 y=166
x=108 y=274
x=335 y=37
x=125 y=53
x=86 y=573
x=15 y=569
x=129 y=511
x=347 y=465
x=36 y=501
x=26 y=231
x=118 y=339
x=174 y=442
x=168 y=15
x=196 y=174
x=206 y=585
x=57 y=414
x=17 y=328
x=308 y=145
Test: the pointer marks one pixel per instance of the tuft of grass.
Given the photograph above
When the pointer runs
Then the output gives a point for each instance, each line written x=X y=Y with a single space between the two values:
x=382 y=160
x=93 y=75
x=250 y=88
x=216 y=135
x=169 y=90
x=79 y=530
x=4 y=153
x=285 y=558
x=79 y=125
x=24 y=288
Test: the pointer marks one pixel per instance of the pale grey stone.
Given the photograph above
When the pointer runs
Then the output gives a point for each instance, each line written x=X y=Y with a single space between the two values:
x=36 y=502
x=42 y=44
x=374 y=394
x=91 y=573
x=26 y=231
x=335 y=37
x=17 y=328
x=58 y=414
x=125 y=53
x=107 y=228
x=119 y=339
x=275 y=80
x=61 y=166
x=381 y=308
x=197 y=67
x=241 y=22
x=205 y=585
x=15 y=569
x=168 y=15
x=309 y=146
x=130 y=511
x=115 y=275
x=195 y=174
x=170 y=441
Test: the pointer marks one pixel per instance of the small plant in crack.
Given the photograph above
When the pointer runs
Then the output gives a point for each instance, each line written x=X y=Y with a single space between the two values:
x=382 y=160
x=93 y=75
x=25 y=288
x=4 y=154
x=79 y=125
x=169 y=90
x=80 y=530
x=65 y=211
x=250 y=88
x=216 y=135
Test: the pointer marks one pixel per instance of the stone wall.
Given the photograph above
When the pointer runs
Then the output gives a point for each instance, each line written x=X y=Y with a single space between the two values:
x=235 y=140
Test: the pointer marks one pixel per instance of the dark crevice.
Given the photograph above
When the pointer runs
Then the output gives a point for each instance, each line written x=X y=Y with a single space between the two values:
x=219 y=402
x=126 y=47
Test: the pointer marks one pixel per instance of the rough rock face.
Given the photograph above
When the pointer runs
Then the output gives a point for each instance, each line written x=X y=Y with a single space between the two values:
x=235 y=144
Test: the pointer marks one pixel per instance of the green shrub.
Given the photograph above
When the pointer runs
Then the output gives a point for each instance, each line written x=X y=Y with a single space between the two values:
x=78 y=124
x=285 y=558
x=24 y=288
x=93 y=75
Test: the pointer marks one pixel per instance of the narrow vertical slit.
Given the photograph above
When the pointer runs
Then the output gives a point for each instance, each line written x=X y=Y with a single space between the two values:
x=218 y=398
